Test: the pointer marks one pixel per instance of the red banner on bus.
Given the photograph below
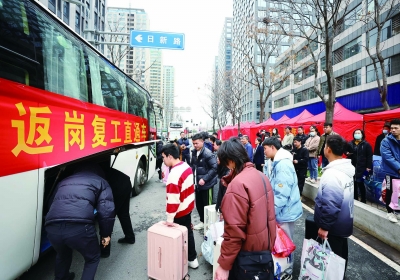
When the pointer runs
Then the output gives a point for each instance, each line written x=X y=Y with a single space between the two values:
x=40 y=128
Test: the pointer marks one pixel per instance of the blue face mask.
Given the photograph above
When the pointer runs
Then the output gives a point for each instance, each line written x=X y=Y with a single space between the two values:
x=357 y=136
x=312 y=133
x=385 y=131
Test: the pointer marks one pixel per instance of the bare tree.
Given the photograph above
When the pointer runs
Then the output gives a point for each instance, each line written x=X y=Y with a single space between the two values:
x=120 y=49
x=211 y=109
x=232 y=95
x=319 y=21
x=378 y=14
x=267 y=36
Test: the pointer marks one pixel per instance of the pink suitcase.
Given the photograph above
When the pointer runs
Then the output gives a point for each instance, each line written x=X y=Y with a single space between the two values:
x=167 y=252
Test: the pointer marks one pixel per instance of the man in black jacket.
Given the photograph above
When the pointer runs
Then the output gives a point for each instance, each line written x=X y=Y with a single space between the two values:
x=159 y=159
x=204 y=166
x=300 y=161
x=301 y=135
x=70 y=222
x=121 y=186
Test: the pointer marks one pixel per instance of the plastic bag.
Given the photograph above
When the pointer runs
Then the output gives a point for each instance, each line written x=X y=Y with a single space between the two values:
x=207 y=247
x=284 y=246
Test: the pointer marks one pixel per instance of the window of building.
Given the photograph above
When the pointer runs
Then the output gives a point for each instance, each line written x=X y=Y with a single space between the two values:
x=324 y=88
x=395 y=63
x=52 y=5
x=66 y=12
x=77 y=21
x=298 y=76
x=305 y=95
x=281 y=102
x=352 y=17
x=371 y=71
x=352 y=48
x=351 y=79
x=323 y=63
x=396 y=25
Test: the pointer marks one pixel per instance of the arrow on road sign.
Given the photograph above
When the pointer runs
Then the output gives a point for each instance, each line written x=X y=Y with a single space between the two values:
x=139 y=38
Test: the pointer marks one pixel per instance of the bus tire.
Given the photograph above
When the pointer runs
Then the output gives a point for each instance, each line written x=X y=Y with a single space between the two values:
x=140 y=179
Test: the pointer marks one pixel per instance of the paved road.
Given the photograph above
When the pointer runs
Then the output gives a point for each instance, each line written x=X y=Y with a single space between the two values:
x=130 y=261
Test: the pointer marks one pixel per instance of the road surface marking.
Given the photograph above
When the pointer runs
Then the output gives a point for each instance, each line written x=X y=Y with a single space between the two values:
x=377 y=254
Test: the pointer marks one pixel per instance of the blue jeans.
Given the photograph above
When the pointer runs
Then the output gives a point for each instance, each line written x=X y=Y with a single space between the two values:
x=313 y=167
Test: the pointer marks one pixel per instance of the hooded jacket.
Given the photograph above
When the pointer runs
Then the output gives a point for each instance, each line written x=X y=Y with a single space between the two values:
x=247 y=208
x=76 y=197
x=390 y=152
x=283 y=180
x=204 y=167
x=335 y=199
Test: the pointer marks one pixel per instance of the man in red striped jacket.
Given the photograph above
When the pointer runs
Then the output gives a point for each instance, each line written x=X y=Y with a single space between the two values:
x=180 y=196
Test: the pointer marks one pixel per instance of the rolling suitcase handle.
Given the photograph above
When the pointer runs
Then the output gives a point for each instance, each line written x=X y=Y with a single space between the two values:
x=159 y=257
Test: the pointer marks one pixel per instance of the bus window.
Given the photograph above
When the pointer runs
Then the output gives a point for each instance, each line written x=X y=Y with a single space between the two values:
x=63 y=61
x=17 y=52
x=113 y=88
x=137 y=100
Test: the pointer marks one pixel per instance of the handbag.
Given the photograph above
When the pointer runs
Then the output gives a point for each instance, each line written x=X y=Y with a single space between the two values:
x=255 y=265
x=319 y=262
x=284 y=246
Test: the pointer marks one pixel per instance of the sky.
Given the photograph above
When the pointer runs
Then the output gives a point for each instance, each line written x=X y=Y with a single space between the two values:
x=202 y=22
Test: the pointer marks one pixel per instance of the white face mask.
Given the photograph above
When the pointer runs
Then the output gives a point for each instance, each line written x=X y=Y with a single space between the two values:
x=357 y=136
x=312 y=133
x=385 y=131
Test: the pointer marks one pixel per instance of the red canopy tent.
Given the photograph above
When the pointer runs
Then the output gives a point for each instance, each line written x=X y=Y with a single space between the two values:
x=280 y=125
x=295 y=122
x=344 y=121
x=373 y=123
x=267 y=125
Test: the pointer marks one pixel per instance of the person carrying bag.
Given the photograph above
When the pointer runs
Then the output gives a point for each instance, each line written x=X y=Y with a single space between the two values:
x=249 y=218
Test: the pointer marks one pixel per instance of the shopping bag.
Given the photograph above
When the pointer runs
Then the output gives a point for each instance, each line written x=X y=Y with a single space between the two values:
x=318 y=262
x=207 y=247
x=394 y=201
x=373 y=189
x=284 y=246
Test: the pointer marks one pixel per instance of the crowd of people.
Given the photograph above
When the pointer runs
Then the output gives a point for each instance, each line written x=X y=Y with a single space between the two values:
x=235 y=177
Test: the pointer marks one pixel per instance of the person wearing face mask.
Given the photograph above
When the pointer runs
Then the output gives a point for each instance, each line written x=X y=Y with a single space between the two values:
x=360 y=153
x=311 y=145
x=380 y=137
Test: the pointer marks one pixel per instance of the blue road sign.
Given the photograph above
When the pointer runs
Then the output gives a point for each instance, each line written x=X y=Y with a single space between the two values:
x=157 y=40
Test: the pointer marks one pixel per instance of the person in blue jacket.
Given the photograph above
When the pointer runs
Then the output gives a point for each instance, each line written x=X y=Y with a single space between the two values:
x=185 y=146
x=390 y=152
x=246 y=144
x=258 y=158
x=283 y=178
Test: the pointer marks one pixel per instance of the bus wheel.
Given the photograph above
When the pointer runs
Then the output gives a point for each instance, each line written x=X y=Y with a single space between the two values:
x=140 y=179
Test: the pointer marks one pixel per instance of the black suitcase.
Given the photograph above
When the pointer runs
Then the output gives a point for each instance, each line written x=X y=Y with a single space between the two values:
x=311 y=231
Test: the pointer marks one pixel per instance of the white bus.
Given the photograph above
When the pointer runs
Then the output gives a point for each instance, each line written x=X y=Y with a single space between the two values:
x=61 y=102
x=174 y=130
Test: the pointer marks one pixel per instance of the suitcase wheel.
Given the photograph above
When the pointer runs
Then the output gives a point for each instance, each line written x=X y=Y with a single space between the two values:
x=187 y=277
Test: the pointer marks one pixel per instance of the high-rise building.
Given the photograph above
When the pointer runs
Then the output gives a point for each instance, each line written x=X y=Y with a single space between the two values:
x=353 y=70
x=133 y=61
x=83 y=16
x=223 y=63
x=168 y=94
x=156 y=77
x=248 y=14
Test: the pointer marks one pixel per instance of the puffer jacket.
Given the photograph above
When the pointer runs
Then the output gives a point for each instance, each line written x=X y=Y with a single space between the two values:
x=311 y=145
x=204 y=167
x=361 y=157
x=246 y=209
x=159 y=147
x=76 y=197
x=283 y=178
x=335 y=199
x=390 y=152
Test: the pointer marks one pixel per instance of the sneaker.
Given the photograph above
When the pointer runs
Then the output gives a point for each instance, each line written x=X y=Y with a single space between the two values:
x=308 y=179
x=312 y=181
x=286 y=276
x=159 y=181
x=392 y=217
x=199 y=226
x=193 y=264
